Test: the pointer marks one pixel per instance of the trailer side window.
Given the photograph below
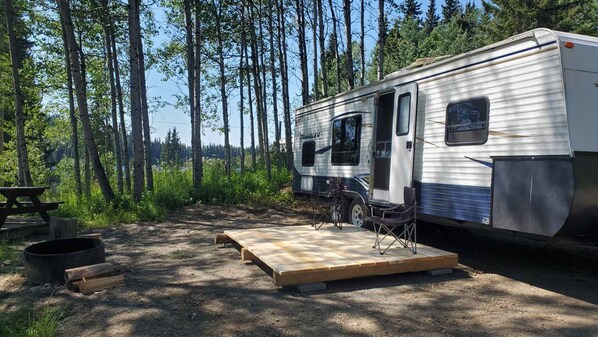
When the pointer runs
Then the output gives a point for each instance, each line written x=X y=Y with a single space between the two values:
x=346 y=137
x=404 y=109
x=308 y=154
x=467 y=122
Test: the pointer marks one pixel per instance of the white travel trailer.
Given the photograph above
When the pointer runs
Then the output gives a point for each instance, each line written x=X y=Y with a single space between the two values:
x=504 y=137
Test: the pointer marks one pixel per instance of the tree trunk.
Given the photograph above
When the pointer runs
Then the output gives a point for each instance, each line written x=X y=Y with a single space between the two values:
x=348 y=37
x=282 y=47
x=302 y=51
x=136 y=119
x=263 y=116
x=258 y=92
x=274 y=87
x=335 y=46
x=22 y=153
x=241 y=92
x=251 y=119
x=121 y=109
x=72 y=118
x=189 y=49
x=381 y=39
x=314 y=26
x=220 y=50
x=81 y=92
x=362 y=45
x=86 y=174
x=113 y=98
x=322 y=40
x=196 y=143
x=147 y=137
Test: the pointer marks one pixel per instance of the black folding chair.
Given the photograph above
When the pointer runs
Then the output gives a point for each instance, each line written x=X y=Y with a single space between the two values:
x=389 y=221
x=326 y=206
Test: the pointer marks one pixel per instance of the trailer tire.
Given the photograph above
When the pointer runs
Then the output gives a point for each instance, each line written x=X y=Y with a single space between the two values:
x=357 y=213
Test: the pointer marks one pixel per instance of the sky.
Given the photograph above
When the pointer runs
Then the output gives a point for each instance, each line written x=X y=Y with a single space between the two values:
x=166 y=116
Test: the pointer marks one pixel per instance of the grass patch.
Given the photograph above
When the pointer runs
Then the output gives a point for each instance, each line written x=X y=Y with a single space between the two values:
x=8 y=252
x=42 y=322
x=173 y=189
x=182 y=254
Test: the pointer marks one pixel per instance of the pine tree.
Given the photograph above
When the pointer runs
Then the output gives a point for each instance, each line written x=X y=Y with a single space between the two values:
x=431 y=17
x=410 y=9
x=450 y=9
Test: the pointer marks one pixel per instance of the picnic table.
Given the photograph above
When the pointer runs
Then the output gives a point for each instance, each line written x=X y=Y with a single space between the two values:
x=30 y=204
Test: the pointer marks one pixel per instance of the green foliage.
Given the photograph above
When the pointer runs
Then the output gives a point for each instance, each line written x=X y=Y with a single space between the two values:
x=171 y=150
x=42 y=322
x=173 y=189
x=7 y=251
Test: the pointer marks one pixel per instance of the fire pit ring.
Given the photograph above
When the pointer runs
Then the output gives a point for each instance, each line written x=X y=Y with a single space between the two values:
x=46 y=261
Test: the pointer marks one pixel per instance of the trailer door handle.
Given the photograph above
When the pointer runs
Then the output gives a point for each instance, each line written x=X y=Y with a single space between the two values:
x=409 y=145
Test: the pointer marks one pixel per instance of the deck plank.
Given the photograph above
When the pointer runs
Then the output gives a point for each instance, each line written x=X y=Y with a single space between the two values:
x=300 y=254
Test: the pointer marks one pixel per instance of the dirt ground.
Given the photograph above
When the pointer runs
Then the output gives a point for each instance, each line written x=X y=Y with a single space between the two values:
x=181 y=284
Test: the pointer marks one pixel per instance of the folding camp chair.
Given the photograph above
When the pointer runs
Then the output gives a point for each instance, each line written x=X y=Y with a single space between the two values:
x=388 y=221
x=326 y=206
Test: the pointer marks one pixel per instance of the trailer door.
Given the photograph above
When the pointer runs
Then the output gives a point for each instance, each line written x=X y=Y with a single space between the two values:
x=382 y=146
x=403 y=142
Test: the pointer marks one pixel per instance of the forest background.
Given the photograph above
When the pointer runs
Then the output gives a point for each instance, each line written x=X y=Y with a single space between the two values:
x=75 y=113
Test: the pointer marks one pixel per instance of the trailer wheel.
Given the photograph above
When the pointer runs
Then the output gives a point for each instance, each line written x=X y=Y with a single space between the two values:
x=357 y=213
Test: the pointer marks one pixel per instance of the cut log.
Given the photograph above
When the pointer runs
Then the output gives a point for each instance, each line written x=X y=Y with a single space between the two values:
x=63 y=228
x=74 y=285
x=97 y=284
x=88 y=271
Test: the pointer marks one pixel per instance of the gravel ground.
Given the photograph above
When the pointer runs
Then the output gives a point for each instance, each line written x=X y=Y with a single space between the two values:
x=180 y=284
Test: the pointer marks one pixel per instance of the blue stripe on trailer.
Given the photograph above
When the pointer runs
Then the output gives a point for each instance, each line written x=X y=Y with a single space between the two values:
x=465 y=203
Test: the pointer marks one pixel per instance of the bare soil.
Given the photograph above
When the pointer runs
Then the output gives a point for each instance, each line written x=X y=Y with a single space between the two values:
x=180 y=284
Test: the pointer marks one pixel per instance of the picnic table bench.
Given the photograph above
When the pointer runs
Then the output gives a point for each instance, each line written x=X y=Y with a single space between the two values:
x=31 y=204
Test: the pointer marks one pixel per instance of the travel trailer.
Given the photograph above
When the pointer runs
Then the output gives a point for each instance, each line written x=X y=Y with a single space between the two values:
x=504 y=137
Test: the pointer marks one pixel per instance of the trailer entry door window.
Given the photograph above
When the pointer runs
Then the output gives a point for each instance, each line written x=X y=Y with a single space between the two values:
x=403 y=111
x=467 y=122
x=308 y=154
x=346 y=137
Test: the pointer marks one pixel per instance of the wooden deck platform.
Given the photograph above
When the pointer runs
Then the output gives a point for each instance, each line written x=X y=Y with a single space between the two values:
x=300 y=254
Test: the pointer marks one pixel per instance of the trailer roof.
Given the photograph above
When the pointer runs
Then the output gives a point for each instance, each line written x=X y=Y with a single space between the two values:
x=539 y=35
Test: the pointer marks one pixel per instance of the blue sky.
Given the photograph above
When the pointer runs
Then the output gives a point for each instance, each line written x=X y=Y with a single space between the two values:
x=166 y=117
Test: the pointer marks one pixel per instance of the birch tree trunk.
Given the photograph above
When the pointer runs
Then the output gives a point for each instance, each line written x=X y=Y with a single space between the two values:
x=189 y=51
x=115 y=136
x=196 y=143
x=241 y=91
x=348 y=37
x=221 y=66
x=90 y=144
x=121 y=109
x=257 y=86
x=136 y=119
x=72 y=118
x=147 y=137
x=251 y=118
x=24 y=175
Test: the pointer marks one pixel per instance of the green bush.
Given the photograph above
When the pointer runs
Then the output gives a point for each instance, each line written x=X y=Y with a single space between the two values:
x=173 y=189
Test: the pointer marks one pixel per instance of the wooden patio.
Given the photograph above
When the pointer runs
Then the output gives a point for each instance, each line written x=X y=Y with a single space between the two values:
x=300 y=254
